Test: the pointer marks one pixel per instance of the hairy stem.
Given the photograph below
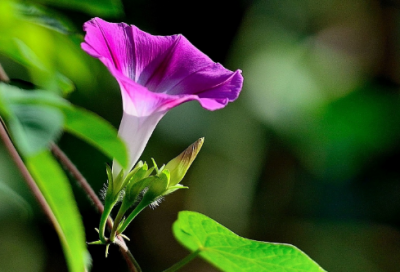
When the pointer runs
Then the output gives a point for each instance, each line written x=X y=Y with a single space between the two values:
x=132 y=216
x=183 y=262
x=122 y=209
x=104 y=218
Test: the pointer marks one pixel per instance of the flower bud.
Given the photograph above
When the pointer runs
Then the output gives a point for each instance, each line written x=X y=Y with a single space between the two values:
x=136 y=184
x=157 y=187
x=180 y=165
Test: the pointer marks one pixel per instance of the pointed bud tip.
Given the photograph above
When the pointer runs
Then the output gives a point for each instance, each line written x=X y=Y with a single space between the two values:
x=199 y=143
x=179 y=165
x=191 y=152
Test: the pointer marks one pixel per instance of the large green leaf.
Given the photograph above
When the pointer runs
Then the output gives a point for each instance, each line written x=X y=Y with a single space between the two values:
x=94 y=130
x=232 y=253
x=55 y=187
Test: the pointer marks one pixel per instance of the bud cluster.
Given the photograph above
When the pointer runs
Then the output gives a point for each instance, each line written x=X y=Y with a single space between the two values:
x=142 y=187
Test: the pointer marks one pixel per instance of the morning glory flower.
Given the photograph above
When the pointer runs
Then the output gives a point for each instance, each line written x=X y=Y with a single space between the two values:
x=156 y=74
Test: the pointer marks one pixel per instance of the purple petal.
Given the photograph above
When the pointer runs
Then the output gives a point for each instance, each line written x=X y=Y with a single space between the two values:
x=156 y=73
x=168 y=65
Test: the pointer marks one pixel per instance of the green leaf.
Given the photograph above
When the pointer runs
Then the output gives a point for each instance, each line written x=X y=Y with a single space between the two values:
x=36 y=117
x=230 y=252
x=94 y=7
x=55 y=187
x=174 y=188
x=31 y=118
x=97 y=132
x=18 y=51
x=13 y=95
x=34 y=127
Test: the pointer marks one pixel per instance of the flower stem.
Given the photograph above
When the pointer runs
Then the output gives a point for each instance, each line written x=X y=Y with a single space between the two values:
x=108 y=206
x=132 y=216
x=64 y=160
x=124 y=207
x=183 y=262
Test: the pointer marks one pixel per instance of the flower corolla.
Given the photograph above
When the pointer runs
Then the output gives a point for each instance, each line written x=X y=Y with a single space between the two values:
x=156 y=74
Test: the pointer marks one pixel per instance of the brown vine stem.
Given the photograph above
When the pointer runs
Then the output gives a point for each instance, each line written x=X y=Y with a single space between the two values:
x=66 y=162
x=28 y=178
x=76 y=174
x=132 y=263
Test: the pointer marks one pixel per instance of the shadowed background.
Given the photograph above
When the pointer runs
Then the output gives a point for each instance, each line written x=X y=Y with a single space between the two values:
x=307 y=155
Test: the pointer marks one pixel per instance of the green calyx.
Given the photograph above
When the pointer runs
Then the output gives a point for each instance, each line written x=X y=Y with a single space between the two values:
x=141 y=188
x=114 y=185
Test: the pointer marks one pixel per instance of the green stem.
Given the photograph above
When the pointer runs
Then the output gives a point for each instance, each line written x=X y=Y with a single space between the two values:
x=183 y=262
x=108 y=206
x=132 y=216
x=122 y=210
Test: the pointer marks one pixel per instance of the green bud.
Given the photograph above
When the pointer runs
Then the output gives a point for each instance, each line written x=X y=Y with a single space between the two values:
x=137 y=183
x=135 y=189
x=128 y=177
x=180 y=165
x=114 y=185
x=157 y=187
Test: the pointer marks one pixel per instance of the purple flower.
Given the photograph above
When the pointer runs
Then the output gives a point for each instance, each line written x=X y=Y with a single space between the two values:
x=156 y=73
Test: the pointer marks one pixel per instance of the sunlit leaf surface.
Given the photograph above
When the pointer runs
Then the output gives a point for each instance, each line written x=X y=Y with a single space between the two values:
x=55 y=187
x=230 y=252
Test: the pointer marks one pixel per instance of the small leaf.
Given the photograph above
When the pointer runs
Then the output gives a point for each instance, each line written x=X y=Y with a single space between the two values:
x=232 y=253
x=172 y=189
x=55 y=187
x=94 y=130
